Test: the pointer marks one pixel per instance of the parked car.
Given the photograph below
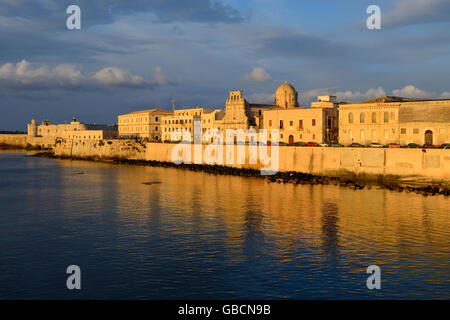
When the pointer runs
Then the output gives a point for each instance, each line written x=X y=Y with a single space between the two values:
x=312 y=144
x=336 y=145
x=429 y=146
x=323 y=144
x=376 y=145
x=412 y=145
x=300 y=144
x=282 y=144
x=393 y=145
x=445 y=146
x=355 y=145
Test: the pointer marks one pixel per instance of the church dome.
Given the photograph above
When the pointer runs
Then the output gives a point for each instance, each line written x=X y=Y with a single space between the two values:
x=286 y=96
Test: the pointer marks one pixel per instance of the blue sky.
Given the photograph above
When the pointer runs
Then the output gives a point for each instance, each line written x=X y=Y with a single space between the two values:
x=132 y=55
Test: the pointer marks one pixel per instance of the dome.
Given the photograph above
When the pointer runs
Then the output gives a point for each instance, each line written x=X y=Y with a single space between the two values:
x=286 y=96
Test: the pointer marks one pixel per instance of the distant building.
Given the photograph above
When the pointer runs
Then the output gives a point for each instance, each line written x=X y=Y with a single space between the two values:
x=47 y=129
x=395 y=120
x=183 y=121
x=142 y=124
x=296 y=124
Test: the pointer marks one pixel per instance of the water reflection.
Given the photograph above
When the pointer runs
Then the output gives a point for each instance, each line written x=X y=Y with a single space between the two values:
x=144 y=232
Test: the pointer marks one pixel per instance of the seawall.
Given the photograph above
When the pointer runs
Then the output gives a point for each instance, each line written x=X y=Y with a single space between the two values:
x=100 y=149
x=354 y=163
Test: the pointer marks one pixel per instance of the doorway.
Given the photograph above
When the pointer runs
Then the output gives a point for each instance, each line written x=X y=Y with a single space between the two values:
x=291 y=140
x=429 y=137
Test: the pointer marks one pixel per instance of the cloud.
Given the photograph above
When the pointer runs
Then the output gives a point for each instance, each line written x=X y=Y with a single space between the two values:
x=445 y=95
x=106 y=11
x=263 y=98
x=258 y=74
x=411 y=92
x=416 y=12
x=23 y=75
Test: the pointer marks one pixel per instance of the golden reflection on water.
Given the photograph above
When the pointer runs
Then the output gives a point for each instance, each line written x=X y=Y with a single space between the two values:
x=337 y=220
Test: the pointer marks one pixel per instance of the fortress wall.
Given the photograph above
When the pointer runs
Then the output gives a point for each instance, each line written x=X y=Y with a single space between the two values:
x=369 y=163
x=100 y=149
x=14 y=140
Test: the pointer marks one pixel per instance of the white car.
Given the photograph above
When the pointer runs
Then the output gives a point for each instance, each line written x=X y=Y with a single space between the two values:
x=323 y=144
x=375 y=145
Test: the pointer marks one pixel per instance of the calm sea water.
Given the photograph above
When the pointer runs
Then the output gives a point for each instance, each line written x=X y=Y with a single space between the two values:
x=191 y=235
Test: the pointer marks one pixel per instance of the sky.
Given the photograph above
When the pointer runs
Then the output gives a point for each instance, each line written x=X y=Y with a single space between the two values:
x=134 y=55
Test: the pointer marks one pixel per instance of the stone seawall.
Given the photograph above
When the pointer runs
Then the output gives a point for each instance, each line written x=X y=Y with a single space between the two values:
x=100 y=149
x=13 y=140
x=353 y=163
x=25 y=141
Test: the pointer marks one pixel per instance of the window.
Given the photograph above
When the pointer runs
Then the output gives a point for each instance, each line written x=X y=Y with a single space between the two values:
x=350 y=117
x=301 y=136
x=416 y=131
x=386 y=117
x=362 y=134
x=270 y=123
x=361 y=117
x=374 y=117
x=156 y=119
x=314 y=136
x=291 y=123
x=313 y=122
x=403 y=130
x=281 y=124
x=300 y=124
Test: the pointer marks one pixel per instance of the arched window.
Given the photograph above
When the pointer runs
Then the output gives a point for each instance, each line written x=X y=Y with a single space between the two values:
x=361 y=117
x=350 y=117
x=374 y=117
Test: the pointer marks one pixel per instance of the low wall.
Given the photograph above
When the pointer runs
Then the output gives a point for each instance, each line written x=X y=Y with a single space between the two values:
x=363 y=163
x=13 y=140
x=100 y=149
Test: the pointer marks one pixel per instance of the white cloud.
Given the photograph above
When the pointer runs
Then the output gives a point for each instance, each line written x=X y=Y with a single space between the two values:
x=445 y=95
x=358 y=95
x=258 y=74
x=113 y=76
x=411 y=92
x=24 y=75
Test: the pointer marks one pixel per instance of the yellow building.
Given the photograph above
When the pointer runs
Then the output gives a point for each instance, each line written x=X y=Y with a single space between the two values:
x=142 y=124
x=296 y=124
x=47 y=129
x=395 y=120
x=183 y=121
x=90 y=134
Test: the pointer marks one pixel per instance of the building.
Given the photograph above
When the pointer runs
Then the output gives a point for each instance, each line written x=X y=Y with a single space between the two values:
x=142 y=124
x=47 y=129
x=90 y=134
x=286 y=96
x=183 y=121
x=297 y=124
x=395 y=120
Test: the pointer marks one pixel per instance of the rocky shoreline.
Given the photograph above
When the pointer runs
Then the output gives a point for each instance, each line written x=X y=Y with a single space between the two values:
x=280 y=177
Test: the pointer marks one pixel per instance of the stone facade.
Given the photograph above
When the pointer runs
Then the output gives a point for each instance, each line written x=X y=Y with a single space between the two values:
x=316 y=124
x=142 y=124
x=395 y=120
x=48 y=130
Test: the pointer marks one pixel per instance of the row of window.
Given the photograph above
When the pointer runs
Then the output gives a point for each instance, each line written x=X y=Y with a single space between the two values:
x=362 y=117
x=137 y=129
x=136 y=120
x=291 y=124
